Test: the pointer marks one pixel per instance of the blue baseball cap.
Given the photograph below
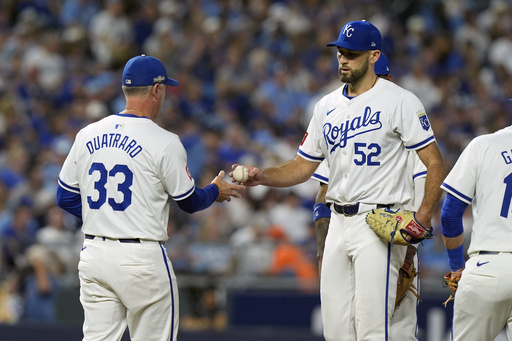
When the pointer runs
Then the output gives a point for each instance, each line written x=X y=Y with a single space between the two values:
x=146 y=70
x=358 y=36
x=382 y=65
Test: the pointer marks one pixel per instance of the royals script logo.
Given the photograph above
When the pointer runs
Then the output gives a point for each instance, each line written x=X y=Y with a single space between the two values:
x=337 y=136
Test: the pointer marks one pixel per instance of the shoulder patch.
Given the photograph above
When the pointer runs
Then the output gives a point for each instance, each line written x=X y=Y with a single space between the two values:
x=304 y=138
x=423 y=120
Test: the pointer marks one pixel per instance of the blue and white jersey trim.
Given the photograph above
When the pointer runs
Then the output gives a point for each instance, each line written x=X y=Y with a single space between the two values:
x=320 y=178
x=69 y=188
x=456 y=193
x=183 y=196
x=421 y=144
x=419 y=174
x=309 y=157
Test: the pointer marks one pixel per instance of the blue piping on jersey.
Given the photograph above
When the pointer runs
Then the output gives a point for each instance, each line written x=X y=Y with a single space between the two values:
x=456 y=193
x=312 y=158
x=345 y=93
x=387 y=295
x=131 y=115
x=172 y=290
x=424 y=143
x=68 y=188
x=417 y=175
x=320 y=178
x=186 y=194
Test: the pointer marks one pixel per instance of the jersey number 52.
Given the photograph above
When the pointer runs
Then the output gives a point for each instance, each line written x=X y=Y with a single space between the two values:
x=366 y=154
x=99 y=186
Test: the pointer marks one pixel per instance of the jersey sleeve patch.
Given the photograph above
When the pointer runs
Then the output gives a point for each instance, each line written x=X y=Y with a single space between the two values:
x=425 y=124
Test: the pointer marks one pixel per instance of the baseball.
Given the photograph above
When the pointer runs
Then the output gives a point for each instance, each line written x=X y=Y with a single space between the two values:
x=241 y=174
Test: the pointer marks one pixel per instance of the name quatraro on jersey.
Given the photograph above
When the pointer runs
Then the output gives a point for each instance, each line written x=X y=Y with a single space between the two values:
x=113 y=140
x=337 y=136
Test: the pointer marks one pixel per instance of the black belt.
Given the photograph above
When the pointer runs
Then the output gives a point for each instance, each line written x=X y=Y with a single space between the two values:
x=492 y=252
x=350 y=210
x=121 y=240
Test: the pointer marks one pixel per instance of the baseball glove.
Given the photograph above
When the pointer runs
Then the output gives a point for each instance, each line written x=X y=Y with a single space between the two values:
x=451 y=280
x=406 y=284
x=396 y=227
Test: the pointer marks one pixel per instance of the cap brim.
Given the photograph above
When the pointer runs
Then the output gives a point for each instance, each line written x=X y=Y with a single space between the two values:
x=172 y=82
x=347 y=45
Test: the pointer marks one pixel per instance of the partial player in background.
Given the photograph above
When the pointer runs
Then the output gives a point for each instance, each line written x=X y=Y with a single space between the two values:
x=119 y=177
x=365 y=130
x=404 y=321
x=482 y=176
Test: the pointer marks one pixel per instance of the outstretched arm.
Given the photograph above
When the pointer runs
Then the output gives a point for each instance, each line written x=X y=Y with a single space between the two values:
x=202 y=198
x=289 y=173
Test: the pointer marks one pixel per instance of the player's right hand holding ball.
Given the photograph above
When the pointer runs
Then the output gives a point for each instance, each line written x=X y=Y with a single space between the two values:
x=248 y=175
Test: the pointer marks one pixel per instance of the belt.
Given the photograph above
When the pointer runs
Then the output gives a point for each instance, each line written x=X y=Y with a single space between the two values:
x=121 y=240
x=492 y=252
x=350 y=210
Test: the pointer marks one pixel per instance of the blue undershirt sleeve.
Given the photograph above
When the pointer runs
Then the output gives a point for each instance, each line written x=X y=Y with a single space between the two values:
x=69 y=201
x=451 y=216
x=451 y=226
x=200 y=199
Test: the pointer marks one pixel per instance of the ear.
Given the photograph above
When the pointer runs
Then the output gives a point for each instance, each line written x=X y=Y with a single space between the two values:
x=155 y=90
x=374 y=56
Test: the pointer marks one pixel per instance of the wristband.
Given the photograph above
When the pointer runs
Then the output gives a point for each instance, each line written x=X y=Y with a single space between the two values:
x=456 y=258
x=321 y=210
x=218 y=189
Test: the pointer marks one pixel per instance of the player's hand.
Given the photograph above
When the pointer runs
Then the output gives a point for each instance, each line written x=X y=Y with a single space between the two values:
x=226 y=190
x=256 y=175
x=423 y=218
x=451 y=280
x=408 y=261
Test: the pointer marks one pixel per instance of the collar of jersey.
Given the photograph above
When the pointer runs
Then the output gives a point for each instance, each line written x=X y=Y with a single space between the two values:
x=130 y=115
x=345 y=92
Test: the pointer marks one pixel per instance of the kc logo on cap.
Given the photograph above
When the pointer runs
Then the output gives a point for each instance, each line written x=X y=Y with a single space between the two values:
x=360 y=36
x=347 y=30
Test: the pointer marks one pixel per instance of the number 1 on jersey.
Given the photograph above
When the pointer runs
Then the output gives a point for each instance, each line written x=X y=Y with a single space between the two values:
x=505 y=207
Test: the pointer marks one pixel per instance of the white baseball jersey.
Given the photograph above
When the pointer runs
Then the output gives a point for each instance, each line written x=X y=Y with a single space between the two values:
x=321 y=173
x=482 y=177
x=364 y=140
x=419 y=170
x=125 y=168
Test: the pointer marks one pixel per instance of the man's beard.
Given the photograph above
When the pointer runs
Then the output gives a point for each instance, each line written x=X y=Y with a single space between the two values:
x=354 y=75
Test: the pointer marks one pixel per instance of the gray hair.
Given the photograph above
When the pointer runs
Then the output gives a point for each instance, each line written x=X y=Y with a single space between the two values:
x=140 y=91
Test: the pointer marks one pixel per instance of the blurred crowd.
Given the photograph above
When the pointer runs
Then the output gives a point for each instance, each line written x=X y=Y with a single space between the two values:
x=249 y=74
